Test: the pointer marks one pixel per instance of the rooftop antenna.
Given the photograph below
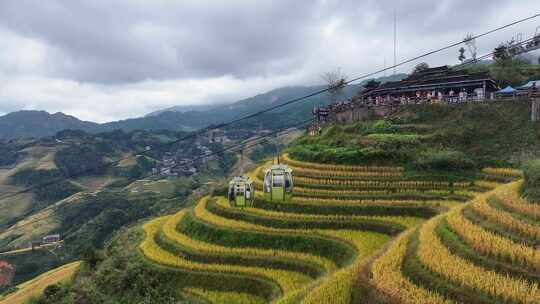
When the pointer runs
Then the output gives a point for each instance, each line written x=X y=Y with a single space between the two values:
x=395 y=41
x=242 y=161
x=277 y=149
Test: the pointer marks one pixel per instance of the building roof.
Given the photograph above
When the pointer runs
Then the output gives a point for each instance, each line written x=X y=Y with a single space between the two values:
x=507 y=90
x=433 y=79
x=530 y=84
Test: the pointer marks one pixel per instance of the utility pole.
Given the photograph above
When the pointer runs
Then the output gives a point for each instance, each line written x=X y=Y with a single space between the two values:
x=395 y=41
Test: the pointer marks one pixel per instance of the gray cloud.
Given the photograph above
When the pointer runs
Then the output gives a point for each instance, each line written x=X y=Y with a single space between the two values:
x=105 y=59
x=118 y=41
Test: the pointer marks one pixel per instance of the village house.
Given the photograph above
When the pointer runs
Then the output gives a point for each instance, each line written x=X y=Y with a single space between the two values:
x=51 y=239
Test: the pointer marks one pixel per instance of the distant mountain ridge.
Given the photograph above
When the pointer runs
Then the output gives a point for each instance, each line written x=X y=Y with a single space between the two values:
x=40 y=123
x=187 y=108
x=27 y=123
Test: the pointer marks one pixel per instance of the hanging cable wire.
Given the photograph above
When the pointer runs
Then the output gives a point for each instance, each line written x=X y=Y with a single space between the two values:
x=253 y=142
x=292 y=101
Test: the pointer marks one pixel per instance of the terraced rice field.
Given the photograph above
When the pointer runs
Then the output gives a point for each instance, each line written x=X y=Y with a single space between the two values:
x=484 y=251
x=312 y=249
x=35 y=287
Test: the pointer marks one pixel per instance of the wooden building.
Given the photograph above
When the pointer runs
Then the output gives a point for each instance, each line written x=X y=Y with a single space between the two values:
x=51 y=239
x=439 y=84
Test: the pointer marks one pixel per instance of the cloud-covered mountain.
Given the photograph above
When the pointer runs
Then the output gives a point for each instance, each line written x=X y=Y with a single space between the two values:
x=41 y=123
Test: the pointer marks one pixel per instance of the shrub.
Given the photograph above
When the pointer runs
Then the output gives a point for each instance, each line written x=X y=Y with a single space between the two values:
x=32 y=177
x=531 y=186
x=444 y=160
x=7 y=155
x=263 y=151
x=395 y=139
x=79 y=160
x=56 y=190
x=382 y=126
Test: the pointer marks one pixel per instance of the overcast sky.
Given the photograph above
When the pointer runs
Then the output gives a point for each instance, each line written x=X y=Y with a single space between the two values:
x=104 y=60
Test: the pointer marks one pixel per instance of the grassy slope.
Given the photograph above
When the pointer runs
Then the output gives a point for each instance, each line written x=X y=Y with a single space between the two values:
x=13 y=207
x=495 y=134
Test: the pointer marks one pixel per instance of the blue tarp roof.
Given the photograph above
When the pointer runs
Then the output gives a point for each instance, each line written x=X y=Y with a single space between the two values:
x=530 y=84
x=507 y=90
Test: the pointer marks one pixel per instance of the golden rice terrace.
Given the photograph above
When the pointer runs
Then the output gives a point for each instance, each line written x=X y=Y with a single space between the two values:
x=358 y=235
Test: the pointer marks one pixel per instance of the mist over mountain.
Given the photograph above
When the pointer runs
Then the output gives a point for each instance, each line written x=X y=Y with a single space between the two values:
x=187 y=108
x=40 y=123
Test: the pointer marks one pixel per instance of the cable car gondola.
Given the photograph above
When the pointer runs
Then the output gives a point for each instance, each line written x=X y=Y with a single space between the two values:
x=241 y=192
x=278 y=183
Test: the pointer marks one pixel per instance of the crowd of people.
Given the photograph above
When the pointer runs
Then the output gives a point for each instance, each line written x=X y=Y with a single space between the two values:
x=420 y=97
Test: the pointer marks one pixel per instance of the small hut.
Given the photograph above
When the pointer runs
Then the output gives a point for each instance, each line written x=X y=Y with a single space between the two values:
x=51 y=239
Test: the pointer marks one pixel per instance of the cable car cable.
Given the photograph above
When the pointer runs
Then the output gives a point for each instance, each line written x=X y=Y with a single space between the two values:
x=298 y=99
x=264 y=139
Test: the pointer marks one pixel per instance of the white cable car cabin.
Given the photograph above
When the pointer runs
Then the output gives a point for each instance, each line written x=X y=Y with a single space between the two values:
x=241 y=192
x=278 y=183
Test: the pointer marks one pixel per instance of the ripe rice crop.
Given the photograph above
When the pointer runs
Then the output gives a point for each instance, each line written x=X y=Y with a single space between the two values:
x=382 y=184
x=389 y=279
x=285 y=158
x=490 y=243
x=225 y=296
x=435 y=256
x=510 y=199
x=506 y=220
x=329 y=192
x=169 y=229
x=486 y=184
x=343 y=202
x=407 y=221
x=204 y=215
x=33 y=288
x=298 y=171
x=287 y=280
x=339 y=287
x=503 y=172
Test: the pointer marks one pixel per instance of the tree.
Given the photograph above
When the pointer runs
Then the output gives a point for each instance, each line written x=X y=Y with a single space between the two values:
x=336 y=82
x=91 y=256
x=501 y=54
x=470 y=42
x=538 y=59
x=420 y=67
x=51 y=290
x=507 y=69
x=372 y=84
x=462 y=55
